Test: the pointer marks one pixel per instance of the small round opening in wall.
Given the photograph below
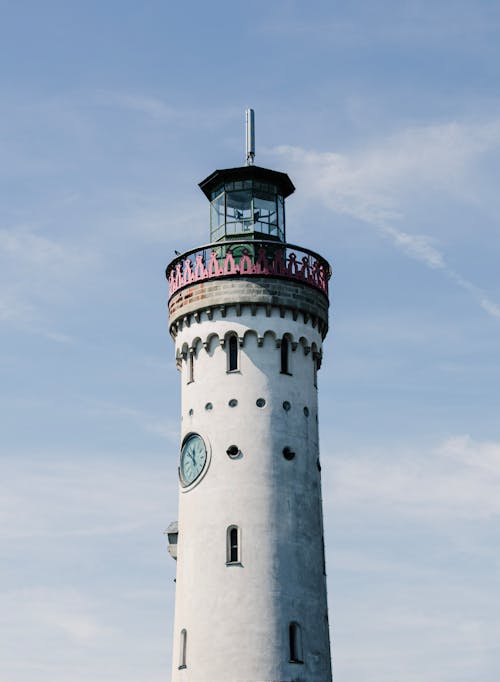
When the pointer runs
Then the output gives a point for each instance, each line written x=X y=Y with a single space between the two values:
x=306 y=411
x=286 y=405
x=233 y=402
x=208 y=406
x=191 y=412
x=288 y=453
x=260 y=402
x=233 y=451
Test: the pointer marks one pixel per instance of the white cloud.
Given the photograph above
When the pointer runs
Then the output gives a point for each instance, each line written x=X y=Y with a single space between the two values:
x=153 y=107
x=61 y=610
x=21 y=246
x=44 y=497
x=12 y=309
x=477 y=455
x=35 y=271
x=166 y=428
x=176 y=225
x=62 y=634
x=373 y=185
x=459 y=478
x=393 y=24
x=163 y=111
x=491 y=308
x=376 y=640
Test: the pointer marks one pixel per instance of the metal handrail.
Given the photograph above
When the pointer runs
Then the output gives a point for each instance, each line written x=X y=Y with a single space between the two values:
x=248 y=257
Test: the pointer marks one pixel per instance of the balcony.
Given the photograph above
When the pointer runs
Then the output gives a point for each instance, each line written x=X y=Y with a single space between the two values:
x=249 y=259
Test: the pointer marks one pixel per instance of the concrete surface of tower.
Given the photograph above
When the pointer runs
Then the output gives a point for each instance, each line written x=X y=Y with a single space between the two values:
x=248 y=314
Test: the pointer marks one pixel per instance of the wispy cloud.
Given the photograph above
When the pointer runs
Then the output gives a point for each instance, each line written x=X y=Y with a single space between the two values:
x=55 y=498
x=373 y=185
x=162 y=426
x=410 y=25
x=36 y=270
x=458 y=478
x=153 y=107
x=164 y=111
x=63 y=611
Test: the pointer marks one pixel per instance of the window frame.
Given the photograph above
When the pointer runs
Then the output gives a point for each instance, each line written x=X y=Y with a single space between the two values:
x=230 y=546
x=232 y=347
x=183 y=650
x=295 y=643
x=285 y=347
x=190 y=366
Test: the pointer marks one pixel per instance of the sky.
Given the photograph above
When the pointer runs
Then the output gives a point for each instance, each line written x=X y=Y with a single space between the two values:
x=386 y=115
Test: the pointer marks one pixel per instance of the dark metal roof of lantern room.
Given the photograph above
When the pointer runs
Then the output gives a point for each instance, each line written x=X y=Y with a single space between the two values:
x=280 y=180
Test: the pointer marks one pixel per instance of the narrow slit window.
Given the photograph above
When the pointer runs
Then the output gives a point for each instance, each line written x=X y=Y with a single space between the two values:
x=315 y=370
x=182 y=652
x=233 y=548
x=295 y=636
x=232 y=360
x=285 y=356
x=190 y=366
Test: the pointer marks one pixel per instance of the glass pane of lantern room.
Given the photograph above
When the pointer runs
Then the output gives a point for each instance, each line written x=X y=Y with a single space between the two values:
x=238 y=211
x=216 y=217
x=265 y=213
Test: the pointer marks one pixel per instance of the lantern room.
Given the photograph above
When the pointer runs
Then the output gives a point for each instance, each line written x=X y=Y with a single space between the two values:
x=247 y=203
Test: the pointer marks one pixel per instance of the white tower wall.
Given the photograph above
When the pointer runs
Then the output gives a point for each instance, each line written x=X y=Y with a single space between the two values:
x=236 y=617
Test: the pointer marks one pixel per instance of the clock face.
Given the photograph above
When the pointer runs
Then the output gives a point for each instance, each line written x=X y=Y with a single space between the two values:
x=193 y=458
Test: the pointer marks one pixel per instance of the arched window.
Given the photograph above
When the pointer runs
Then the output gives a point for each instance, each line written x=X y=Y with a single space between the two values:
x=190 y=368
x=285 y=352
x=295 y=637
x=182 y=650
x=232 y=353
x=233 y=545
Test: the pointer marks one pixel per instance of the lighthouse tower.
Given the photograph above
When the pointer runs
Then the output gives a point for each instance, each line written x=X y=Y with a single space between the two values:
x=248 y=314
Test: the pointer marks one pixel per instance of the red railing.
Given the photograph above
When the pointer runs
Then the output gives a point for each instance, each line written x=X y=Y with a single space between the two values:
x=240 y=257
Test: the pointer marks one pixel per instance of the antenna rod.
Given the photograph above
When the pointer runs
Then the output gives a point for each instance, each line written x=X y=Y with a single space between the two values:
x=250 y=136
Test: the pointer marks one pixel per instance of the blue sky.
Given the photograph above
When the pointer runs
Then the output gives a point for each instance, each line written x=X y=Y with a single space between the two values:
x=386 y=115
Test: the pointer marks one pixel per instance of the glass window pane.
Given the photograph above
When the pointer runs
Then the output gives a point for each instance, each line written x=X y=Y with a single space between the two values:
x=265 y=213
x=217 y=211
x=216 y=192
x=217 y=233
x=239 y=210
